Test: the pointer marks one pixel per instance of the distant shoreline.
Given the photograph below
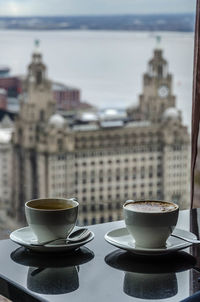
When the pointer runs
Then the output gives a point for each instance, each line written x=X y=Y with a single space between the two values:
x=155 y=22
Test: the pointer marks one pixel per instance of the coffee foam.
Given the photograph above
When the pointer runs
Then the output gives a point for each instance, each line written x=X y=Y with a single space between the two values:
x=151 y=206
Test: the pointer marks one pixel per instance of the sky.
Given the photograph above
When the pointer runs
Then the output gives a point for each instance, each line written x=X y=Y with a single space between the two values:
x=93 y=7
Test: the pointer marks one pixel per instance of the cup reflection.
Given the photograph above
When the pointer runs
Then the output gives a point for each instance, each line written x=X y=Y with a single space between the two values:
x=150 y=277
x=53 y=281
x=54 y=273
x=150 y=286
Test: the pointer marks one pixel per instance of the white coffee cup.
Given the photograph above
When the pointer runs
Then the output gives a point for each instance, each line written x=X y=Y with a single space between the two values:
x=51 y=218
x=150 y=222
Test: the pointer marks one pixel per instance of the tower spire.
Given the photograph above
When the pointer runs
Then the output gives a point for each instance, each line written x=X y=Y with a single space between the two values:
x=158 y=42
x=37 y=46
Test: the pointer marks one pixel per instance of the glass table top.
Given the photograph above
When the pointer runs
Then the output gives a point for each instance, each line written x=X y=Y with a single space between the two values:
x=100 y=272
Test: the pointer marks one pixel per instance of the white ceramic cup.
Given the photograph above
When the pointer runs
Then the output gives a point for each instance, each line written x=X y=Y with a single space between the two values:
x=51 y=218
x=150 y=229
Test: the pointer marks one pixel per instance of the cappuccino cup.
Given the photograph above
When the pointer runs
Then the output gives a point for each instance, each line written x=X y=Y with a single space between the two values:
x=51 y=218
x=150 y=222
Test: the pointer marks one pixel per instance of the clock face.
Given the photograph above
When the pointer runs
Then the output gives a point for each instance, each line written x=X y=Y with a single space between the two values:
x=163 y=91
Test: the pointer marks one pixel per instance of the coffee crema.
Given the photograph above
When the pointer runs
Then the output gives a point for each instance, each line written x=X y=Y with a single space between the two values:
x=49 y=205
x=151 y=206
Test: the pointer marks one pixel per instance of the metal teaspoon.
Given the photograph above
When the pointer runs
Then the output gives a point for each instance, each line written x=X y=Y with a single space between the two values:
x=75 y=236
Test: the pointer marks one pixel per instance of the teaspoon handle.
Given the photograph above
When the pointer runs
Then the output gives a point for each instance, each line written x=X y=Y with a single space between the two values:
x=194 y=241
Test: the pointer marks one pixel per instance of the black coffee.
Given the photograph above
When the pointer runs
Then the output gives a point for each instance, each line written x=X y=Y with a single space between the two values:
x=50 y=205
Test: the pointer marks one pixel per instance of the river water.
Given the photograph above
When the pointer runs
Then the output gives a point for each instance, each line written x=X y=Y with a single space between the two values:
x=106 y=65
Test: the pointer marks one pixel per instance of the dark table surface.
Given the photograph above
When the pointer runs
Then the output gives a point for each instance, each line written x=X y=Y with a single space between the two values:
x=100 y=272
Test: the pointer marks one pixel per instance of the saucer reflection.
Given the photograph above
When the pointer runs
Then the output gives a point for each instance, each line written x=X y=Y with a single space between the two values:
x=150 y=277
x=52 y=274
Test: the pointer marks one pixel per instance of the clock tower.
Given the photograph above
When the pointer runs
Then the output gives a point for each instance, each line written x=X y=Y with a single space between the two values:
x=157 y=89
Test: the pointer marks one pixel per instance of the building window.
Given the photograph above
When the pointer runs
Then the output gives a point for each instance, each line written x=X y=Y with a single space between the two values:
x=93 y=220
x=85 y=221
x=118 y=206
x=102 y=219
x=84 y=209
x=110 y=206
x=93 y=208
x=110 y=218
x=101 y=207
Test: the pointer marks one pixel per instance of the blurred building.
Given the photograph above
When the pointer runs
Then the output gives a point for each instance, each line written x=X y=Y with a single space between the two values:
x=3 y=99
x=68 y=98
x=10 y=89
x=101 y=158
x=6 y=129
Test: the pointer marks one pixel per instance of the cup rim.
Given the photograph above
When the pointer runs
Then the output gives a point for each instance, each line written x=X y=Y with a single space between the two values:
x=151 y=200
x=74 y=200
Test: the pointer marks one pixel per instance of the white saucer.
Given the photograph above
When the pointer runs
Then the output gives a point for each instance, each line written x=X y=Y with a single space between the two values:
x=25 y=236
x=122 y=239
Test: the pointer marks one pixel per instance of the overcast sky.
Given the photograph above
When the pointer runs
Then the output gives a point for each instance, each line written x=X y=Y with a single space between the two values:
x=93 y=7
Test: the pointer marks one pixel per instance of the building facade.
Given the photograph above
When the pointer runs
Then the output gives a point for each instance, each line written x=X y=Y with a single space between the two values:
x=102 y=160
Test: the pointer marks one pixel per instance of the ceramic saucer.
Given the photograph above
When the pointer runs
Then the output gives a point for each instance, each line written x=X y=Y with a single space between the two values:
x=25 y=236
x=122 y=239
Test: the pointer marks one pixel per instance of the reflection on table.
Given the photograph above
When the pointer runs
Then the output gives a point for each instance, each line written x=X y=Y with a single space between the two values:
x=50 y=274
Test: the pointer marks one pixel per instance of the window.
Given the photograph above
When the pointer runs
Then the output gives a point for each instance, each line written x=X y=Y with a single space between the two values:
x=110 y=206
x=85 y=221
x=101 y=207
x=93 y=220
x=93 y=208
x=110 y=218
x=101 y=219
x=84 y=209
x=118 y=206
x=118 y=155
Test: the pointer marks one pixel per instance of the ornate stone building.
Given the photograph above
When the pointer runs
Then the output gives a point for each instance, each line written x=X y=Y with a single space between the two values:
x=103 y=160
